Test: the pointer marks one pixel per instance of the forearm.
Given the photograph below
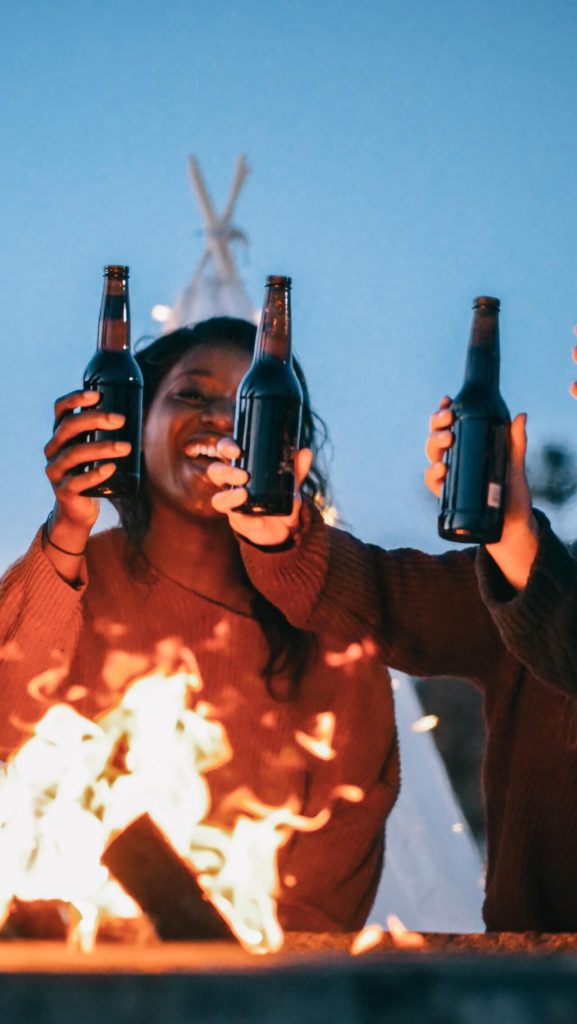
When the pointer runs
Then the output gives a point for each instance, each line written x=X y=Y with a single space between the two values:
x=538 y=621
x=424 y=612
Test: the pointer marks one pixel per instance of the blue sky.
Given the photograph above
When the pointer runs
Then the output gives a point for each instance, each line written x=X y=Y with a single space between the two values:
x=405 y=157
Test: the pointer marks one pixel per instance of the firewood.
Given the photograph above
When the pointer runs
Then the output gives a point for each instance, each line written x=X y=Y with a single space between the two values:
x=36 y=919
x=163 y=885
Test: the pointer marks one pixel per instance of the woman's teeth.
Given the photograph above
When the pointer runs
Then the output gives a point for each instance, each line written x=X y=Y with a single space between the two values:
x=192 y=451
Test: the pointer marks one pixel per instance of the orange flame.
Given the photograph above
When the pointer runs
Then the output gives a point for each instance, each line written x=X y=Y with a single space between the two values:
x=402 y=937
x=320 y=743
x=367 y=939
x=75 y=783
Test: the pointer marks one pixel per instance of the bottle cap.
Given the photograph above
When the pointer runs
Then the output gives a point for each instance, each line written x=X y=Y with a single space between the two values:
x=488 y=301
x=116 y=270
x=279 y=281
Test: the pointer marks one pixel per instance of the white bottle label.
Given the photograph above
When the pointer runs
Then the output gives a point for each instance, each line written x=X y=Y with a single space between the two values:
x=494 y=495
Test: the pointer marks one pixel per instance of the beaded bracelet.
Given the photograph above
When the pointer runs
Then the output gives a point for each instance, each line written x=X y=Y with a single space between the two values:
x=47 y=538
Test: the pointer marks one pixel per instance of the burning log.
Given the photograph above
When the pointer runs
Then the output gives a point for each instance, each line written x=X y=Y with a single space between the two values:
x=164 y=886
x=36 y=919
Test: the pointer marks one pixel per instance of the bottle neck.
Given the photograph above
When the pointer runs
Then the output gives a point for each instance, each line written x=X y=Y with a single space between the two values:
x=273 y=339
x=114 y=322
x=483 y=356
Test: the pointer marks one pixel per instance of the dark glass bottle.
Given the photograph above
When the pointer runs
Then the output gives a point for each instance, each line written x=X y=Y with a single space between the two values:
x=269 y=408
x=473 y=498
x=115 y=374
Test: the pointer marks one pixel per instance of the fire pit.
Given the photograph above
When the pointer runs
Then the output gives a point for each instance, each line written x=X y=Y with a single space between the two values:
x=144 y=863
x=453 y=979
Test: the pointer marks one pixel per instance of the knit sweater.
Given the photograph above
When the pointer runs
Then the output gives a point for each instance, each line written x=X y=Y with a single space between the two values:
x=84 y=644
x=454 y=614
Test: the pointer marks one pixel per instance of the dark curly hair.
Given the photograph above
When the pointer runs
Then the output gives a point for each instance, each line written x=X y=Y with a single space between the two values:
x=290 y=649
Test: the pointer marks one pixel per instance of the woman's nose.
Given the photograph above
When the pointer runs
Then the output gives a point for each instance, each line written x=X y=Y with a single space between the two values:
x=220 y=413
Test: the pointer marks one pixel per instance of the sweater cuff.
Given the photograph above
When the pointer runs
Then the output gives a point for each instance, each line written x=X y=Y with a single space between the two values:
x=39 y=573
x=295 y=571
x=552 y=575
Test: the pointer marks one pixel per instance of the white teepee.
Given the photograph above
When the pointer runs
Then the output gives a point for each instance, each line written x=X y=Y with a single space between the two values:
x=433 y=878
x=215 y=288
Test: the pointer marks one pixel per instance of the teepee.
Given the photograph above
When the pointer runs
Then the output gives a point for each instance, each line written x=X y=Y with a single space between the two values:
x=215 y=288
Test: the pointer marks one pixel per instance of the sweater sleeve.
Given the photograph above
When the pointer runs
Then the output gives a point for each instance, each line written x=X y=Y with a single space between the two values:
x=538 y=623
x=40 y=619
x=424 y=611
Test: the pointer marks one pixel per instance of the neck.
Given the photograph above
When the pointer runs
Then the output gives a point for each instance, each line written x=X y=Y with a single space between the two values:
x=200 y=554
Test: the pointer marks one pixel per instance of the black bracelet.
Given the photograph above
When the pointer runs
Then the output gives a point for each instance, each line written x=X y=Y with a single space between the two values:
x=73 y=554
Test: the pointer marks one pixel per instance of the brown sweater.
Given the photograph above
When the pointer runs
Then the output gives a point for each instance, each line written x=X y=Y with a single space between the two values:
x=428 y=617
x=84 y=645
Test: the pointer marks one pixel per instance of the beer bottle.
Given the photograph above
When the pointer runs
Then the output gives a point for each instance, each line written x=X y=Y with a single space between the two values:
x=115 y=374
x=473 y=497
x=268 y=409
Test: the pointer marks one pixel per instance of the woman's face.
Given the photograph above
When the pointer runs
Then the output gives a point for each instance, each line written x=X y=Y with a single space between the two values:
x=192 y=409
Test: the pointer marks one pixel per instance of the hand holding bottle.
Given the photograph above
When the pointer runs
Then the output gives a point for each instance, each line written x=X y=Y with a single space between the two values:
x=74 y=514
x=266 y=531
x=515 y=552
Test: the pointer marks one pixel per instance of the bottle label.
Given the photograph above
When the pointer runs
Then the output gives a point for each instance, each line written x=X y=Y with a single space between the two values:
x=494 y=495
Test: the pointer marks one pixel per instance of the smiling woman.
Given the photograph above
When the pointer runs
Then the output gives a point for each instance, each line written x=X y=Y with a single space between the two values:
x=82 y=616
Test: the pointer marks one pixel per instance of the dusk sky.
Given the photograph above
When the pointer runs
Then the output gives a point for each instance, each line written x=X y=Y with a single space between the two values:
x=405 y=157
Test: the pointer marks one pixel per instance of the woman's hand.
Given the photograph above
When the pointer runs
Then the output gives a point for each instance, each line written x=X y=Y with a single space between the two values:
x=515 y=552
x=266 y=531
x=74 y=514
x=439 y=441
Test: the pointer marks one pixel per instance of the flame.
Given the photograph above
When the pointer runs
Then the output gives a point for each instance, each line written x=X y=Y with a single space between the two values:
x=354 y=652
x=367 y=939
x=330 y=514
x=320 y=743
x=354 y=794
x=76 y=783
x=425 y=724
x=401 y=936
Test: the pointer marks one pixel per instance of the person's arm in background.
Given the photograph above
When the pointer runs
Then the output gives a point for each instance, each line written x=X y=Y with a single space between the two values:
x=528 y=580
x=423 y=611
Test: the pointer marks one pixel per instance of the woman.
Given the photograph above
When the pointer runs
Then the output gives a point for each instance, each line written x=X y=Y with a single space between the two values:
x=90 y=613
x=503 y=617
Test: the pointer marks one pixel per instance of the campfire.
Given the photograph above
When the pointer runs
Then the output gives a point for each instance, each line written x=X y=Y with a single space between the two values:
x=110 y=820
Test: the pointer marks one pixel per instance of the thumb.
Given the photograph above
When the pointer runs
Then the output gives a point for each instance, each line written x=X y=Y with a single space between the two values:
x=518 y=446
x=303 y=463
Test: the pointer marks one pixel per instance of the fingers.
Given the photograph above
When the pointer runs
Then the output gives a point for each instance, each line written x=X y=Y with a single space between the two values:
x=441 y=419
x=76 y=485
x=221 y=474
x=228 y=501
x=66 y=405
x=228 y=449
x=78 y=454
x=435 y=477
x=438 y=442
x=74 y=425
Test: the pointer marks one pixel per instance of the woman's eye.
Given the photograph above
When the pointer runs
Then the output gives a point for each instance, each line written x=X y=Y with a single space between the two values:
x=191 y=395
